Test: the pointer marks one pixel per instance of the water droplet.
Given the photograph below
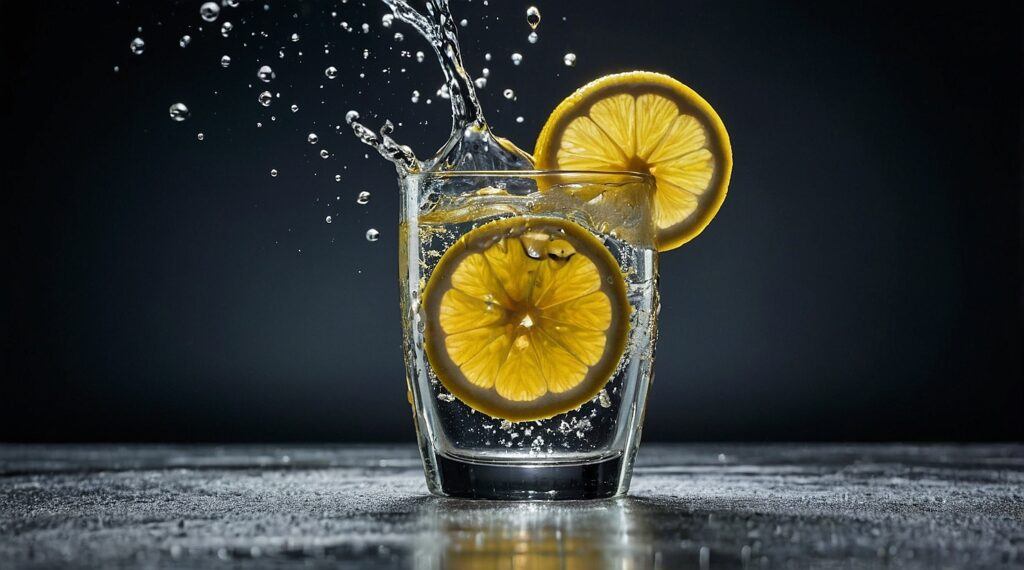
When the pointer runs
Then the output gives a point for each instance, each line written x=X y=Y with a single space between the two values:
x=273 y=172
x=179 y=112
x=295 y=108
x=351 y=116
x=520 y=119
x=509 y=94
x=372 y=235
x=399 y=37
x=225 y=61
x=138 y=46
x=420 y=57
x=225 y=29
x=487 y=56
x=295 y=37
x=331 y=72
x=209 y=11
x=328 y=219
x=266 y=74
x=312 y=138
x=569 y=59
x=517 y=58
x=117 y=68
x=324 y=153
x=386 y=20
x=533 y=17
x=532 y=38
x=415 y=97
x=266 y=98
x=200 y=136
x=185 y=40
x=363 y=198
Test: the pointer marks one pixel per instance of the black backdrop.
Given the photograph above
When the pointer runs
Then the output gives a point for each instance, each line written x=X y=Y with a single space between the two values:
x=862 y=281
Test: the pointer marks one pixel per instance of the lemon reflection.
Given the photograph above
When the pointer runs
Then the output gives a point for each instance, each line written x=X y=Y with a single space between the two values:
x=532 y=536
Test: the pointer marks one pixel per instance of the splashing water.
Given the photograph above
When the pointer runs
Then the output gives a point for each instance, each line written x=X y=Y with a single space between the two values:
x=471 y=145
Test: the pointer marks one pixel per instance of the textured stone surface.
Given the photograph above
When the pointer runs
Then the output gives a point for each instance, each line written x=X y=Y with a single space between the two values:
x=700 y=506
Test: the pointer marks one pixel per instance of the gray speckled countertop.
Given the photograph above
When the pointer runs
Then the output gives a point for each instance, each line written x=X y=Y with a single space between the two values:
x=699 y=506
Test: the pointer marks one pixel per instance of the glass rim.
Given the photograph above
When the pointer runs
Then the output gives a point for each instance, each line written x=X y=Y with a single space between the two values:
x=628 y=174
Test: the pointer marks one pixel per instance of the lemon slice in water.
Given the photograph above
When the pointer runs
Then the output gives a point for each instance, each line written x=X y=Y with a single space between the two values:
x=646 y=122
x=526 y=317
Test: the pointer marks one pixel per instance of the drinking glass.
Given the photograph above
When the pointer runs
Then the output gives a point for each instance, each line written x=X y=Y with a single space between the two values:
x=586 y=452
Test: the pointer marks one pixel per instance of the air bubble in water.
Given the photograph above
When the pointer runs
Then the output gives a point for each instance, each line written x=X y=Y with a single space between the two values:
x=365 y=27
x=351 y=116
x=328 y=219
x=463 y=22
x=420 y=57
x=312 y=138
x=509 y=94
x=517 y=58
x=185 y=40
x=337 y=178
x=480 y=82
x=324 y=153
x=603 y=400
x=533 y=17
x=487 y=56
x=225 y=29
x=366 y=54
x=569 y=59
x=372 y=235
x=179 y=112
x=138 y=46
x=520 y=119
x=386 y=20
x=266 y=98
x=363 y=198
x=200 y=136
x=273 y=172
x=532 y=38
x=415 y=97
x=295 y=37
x=225 y=61
x=266 y=74
x=230 y=3
x=209 y=11
x=295 y=108
x=331 y=72
x=399 y=37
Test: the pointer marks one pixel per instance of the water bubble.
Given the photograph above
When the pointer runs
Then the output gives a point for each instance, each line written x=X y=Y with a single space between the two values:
x=331 y=72
x=420 y=56
x=225 y=29
x=363 y=198
x=117 y=68
x=487 y=56
x=386 y=20
x=533 y=17
x=209 y=11
x=517 y=58
x=266 y=74
x=532 y=38
x=324 y=153
x=185 y=40
x=372 y=235
x=365 y=27
x=509 y=94
x=295 y=108
x=225 y=61
x=179 y=112
x=328 y=219
x=312 y=138
x=337 y=178
x=200 y=136
x=266 y=98
x=520 y=119
x=273 y=172
x=399 y=37
x=351 y=116
x=463 y=22
x=295 y=37
x=569 y=59
x=344 y=25
x=366 y=54
x=230 y=3
x=415 y=97
x=480 y=82
x=138 y=46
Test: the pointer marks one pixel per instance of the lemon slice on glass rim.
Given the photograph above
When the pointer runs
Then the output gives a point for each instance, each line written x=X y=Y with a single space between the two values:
x=526 y=317
x=646 y=122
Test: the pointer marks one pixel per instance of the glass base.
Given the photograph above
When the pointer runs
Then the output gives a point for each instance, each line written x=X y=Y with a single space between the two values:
x=598 y=480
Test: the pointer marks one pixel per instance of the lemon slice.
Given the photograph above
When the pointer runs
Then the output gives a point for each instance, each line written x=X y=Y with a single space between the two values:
x=526 y=317
x=646 y=122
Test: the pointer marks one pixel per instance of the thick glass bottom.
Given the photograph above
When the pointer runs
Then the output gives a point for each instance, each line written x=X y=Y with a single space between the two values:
x=598 y=480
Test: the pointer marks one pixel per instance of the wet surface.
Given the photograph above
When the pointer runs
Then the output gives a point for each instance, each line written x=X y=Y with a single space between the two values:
x=693 y=506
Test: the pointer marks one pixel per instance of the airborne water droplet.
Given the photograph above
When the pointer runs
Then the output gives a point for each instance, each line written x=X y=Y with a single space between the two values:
x=312 y=138
x=266 y=74
x=331 y=72
x=533 y=17
x=185 y=40
x=569 y=59
x=363 y=198
x=225 y=61
x=179 y=112
x=266 y=98
x=517 y=58
x=209 y=11
x=372 y=235
x=138 y=46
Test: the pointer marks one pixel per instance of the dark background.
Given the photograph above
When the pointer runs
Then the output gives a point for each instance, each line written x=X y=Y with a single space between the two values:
x=862 y=281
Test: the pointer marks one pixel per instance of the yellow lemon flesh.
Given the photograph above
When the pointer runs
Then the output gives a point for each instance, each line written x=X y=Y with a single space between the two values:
x=526 y=317
x=646 y=122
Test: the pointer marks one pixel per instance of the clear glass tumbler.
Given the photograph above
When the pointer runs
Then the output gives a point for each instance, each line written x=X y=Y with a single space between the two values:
x=529 y=311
